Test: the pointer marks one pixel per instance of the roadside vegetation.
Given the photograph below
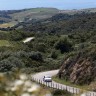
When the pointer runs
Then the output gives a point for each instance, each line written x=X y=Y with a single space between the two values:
x=61 y=93
x=68 y=83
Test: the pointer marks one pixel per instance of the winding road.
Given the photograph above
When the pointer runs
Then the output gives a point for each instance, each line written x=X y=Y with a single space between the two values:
x=39 y=77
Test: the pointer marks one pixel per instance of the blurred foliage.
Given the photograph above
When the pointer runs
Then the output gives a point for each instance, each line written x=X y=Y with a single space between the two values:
x=19 y=84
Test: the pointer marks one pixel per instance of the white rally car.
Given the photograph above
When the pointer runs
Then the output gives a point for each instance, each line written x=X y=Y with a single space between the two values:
x=47 y=78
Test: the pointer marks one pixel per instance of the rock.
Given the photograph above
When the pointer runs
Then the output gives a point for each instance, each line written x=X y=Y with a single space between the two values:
x=79 y=69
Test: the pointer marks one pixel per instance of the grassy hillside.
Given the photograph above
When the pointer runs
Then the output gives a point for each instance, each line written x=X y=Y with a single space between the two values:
x=16 y=16
x=9 y=24
x=35 y=13
x=4 y=43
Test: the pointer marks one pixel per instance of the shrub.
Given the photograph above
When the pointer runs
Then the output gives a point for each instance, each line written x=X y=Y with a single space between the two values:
x=41 y=47
x=58 y=92
x=15 y=36
x=10 y=64
x=36 y=56
x=64 y=45
x=54 y=54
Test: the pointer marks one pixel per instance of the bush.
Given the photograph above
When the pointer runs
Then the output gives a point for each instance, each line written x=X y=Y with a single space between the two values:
x=58 y=92
x=10 y=64
x=15 y=35
x=64 y=45
x=54 y=54
x=36 y=56
x=41 y=47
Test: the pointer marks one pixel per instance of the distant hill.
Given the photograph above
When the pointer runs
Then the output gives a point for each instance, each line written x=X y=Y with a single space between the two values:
x=75 y=11
x=62 y=24
x=34 y=13
x=93 y=10
x=12 y=17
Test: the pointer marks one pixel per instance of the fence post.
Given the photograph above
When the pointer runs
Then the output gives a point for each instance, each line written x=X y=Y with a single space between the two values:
x=76 y=91
x=48 y=84
x=73 y=90
x=61 y=87
x=85 y=94
x=69 y=89
x=58 y=86
x=66 y=88
x=42 y=82
x=39 y=81
x=53 y=85
x=93 y=94
x=34 y=79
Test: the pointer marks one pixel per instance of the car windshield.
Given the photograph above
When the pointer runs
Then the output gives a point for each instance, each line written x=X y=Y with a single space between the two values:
x=47 y=76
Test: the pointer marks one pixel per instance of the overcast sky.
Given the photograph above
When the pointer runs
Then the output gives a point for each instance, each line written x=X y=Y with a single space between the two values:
x=60 y=4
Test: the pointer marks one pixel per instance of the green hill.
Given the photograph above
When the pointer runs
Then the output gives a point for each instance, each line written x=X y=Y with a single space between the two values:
x=12 y=17
x=34 y=13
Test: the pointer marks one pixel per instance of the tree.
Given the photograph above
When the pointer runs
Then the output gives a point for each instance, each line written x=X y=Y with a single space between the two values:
x=36 y=56
x=54 y=54
x=41 y=47
x=64 y=45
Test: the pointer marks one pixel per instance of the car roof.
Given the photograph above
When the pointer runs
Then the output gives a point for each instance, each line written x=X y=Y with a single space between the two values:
x=46 y=76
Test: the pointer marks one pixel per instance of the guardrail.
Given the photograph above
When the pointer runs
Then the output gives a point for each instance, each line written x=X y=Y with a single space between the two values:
x=64 y=87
